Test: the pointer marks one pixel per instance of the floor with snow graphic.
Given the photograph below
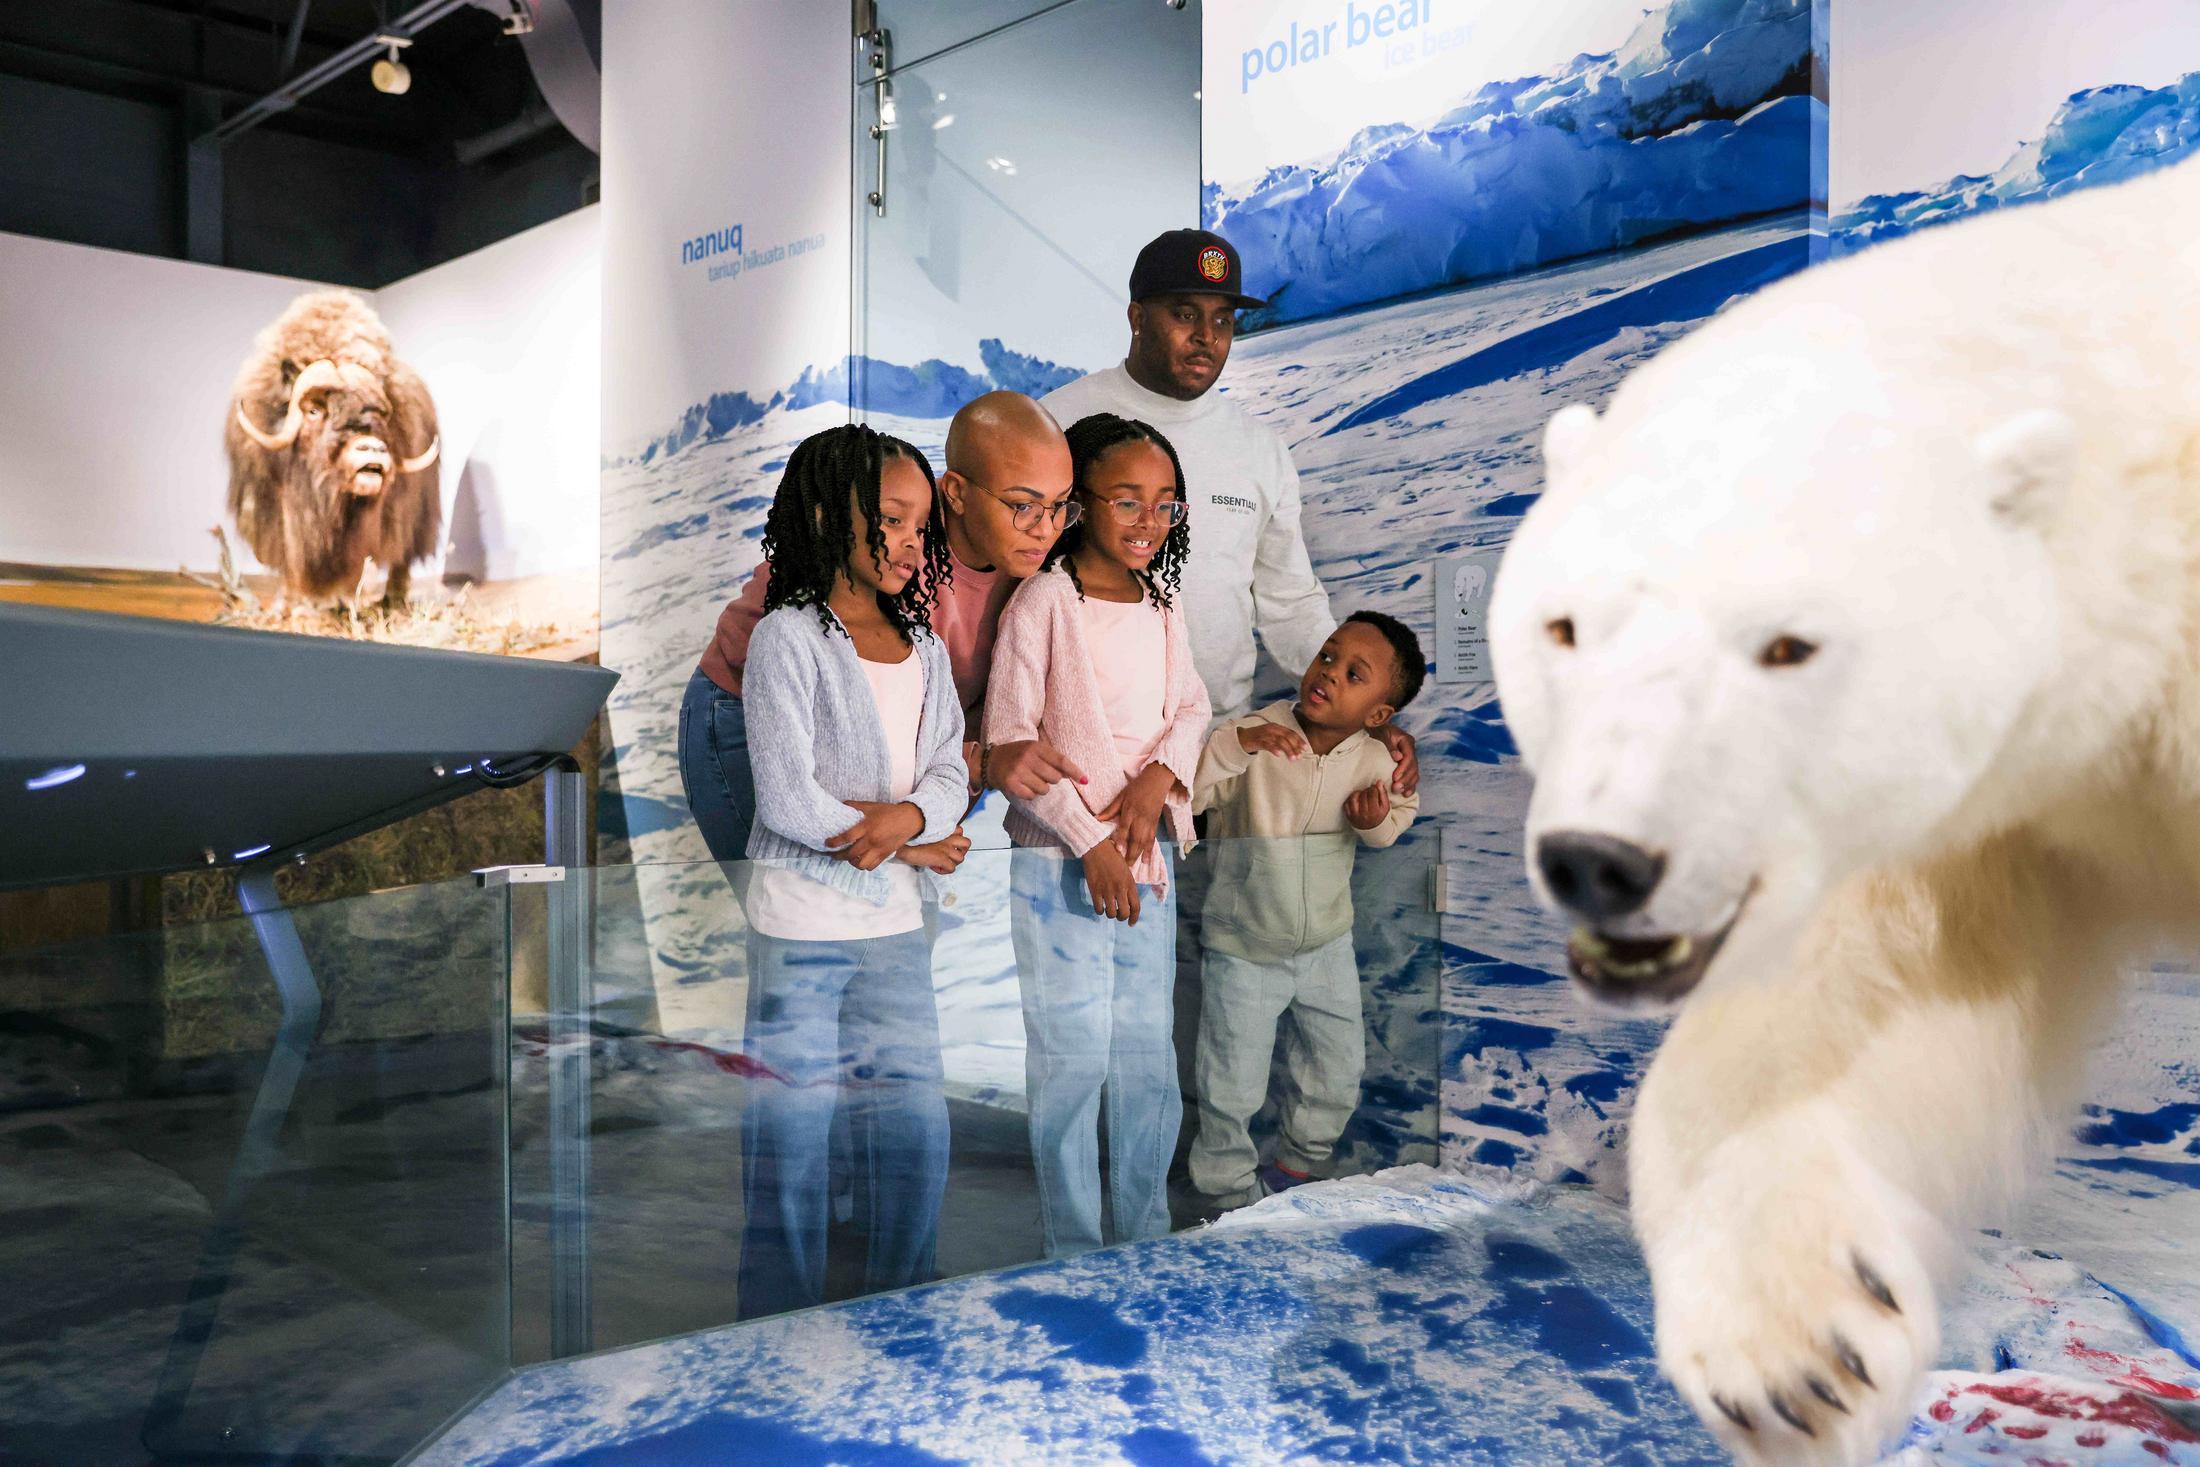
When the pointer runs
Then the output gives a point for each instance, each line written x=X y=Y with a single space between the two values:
x=1413 y=1316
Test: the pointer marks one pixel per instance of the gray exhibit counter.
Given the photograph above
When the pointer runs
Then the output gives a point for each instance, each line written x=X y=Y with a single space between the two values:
x=132 y=746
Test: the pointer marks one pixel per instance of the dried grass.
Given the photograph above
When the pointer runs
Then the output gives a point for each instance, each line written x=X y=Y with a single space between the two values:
x=452 y=623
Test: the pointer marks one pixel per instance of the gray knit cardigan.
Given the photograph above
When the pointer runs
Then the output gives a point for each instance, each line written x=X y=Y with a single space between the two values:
x=816 y=742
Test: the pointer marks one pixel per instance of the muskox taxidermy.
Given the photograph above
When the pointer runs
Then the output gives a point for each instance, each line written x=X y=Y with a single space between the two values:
x=332 y=446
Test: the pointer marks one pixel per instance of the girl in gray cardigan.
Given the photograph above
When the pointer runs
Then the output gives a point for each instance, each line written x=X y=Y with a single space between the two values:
x=855 y=733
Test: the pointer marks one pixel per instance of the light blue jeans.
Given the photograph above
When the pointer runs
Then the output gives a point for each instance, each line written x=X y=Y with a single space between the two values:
x=854 y=1025
x=1324 y=1056
x=1097 y=1025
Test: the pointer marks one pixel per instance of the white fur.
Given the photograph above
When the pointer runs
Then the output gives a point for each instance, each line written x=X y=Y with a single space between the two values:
x=1963 y=465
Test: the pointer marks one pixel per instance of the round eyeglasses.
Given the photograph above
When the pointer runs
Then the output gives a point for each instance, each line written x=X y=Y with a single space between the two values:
x=1025 y=514
x=1130 y=511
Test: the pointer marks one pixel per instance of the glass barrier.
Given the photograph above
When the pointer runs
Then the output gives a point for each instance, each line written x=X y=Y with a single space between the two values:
x=299 y=1186
x=804 y=1084
x=253 y=1181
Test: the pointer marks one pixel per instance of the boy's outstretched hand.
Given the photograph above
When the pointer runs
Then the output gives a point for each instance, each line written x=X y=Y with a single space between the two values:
x=1273 y=738
x=1366 y=808
x=883 y=830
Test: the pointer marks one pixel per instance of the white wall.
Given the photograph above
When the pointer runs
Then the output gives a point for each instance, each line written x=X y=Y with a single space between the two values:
x=114 y=376
x=509 y=339
x=115 y=372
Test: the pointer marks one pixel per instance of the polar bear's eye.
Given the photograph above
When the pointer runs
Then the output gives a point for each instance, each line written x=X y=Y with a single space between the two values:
x=1561 y=631
x=1786 y=651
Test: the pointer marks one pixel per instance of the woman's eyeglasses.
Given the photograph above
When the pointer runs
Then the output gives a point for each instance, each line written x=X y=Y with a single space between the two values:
x=1025 y=514
x=1130 y=511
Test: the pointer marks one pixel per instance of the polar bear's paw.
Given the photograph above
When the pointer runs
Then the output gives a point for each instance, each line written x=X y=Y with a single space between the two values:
x=1797 y=1328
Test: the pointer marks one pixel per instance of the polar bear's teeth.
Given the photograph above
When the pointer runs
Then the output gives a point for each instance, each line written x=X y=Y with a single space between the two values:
x=1589 y=944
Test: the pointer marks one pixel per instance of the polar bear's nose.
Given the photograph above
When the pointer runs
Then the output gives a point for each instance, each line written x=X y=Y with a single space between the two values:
x=1597 y=876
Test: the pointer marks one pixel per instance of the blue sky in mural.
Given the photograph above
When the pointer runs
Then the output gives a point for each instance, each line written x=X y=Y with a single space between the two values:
x=2101 y=135
x=1701 y=118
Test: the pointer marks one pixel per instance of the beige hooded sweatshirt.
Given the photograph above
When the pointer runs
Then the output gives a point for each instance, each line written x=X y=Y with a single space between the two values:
x=1283 y=848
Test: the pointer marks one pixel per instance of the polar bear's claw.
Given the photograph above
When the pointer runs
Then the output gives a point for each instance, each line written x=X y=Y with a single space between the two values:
x=1732 y=1412
x=1852 y=1362
x=1873 y=1284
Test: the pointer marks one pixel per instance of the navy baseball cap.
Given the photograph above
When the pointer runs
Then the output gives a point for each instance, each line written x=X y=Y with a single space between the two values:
x=1190 y=262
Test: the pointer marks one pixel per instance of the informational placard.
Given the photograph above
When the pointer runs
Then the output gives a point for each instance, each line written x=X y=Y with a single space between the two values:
x=1463 y=615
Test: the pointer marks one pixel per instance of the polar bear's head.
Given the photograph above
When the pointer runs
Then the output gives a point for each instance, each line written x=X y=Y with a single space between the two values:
x=1762 y=630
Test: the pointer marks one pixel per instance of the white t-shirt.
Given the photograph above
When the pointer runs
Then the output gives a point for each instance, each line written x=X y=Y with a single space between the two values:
x=784 y=903
x=1248 y=566
x=1130 y=661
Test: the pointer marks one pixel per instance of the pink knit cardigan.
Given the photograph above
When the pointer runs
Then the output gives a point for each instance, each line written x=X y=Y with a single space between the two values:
x=1042 y=686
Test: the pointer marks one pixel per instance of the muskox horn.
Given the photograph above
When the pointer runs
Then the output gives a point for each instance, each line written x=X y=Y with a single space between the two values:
x=415 y=465
x=316 y=375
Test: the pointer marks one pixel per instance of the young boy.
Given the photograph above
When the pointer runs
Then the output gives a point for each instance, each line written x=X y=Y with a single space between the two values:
x=1288 y=792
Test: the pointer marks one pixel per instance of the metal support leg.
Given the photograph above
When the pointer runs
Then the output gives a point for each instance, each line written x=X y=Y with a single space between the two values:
x=572 y=1002
x=256 y=1153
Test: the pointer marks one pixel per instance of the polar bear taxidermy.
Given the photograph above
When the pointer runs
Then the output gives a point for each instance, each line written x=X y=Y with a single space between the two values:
x=1856 y=654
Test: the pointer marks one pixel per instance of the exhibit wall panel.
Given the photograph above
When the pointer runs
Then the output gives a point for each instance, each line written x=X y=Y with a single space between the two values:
x=1487 y=213
x=725 y=147
x=726 y=164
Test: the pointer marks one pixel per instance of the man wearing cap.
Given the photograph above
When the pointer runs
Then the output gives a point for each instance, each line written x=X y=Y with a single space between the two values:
x=1248 y=567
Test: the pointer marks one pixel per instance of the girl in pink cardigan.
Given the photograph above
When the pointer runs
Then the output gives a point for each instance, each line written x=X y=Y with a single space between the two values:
x=1093 y=657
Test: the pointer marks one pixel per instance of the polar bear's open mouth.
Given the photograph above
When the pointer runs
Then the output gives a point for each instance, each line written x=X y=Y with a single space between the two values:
x=1632 y=970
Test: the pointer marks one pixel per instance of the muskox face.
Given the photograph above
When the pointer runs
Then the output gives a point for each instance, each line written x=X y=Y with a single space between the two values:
x=343 y=443
x=335 y=421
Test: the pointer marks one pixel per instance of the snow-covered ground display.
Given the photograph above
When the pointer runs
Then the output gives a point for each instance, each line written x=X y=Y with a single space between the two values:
x=1414 y=1316
x=2101 y=135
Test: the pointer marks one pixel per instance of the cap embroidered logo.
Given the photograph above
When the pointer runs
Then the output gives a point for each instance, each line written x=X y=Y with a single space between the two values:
x=1214 y=264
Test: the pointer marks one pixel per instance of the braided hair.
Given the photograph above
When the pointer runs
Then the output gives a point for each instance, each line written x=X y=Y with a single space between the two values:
x=1090 y=438
x=810 y=533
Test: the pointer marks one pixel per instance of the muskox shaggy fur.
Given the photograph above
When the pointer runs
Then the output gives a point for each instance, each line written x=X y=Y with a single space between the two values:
x=332 y=446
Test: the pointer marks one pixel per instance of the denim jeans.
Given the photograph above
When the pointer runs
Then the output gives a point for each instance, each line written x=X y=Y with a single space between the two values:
x=1097 y=1024
x=714 y=768
x=851 y=1024
x=1324 y=1054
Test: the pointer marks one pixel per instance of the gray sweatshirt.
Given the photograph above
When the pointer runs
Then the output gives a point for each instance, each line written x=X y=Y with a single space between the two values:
x=815 y=742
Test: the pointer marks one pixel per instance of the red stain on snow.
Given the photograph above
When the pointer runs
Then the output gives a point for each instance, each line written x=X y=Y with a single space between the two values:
x=2132 y=1412
x=2130 y=1376
x=2025 y=1433
x=1984 y=1419
x=2092 y=1439
x=1941 y=1411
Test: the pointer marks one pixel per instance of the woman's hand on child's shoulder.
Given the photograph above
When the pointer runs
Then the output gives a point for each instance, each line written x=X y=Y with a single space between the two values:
x=883 y=830
x=1272 y=738
x=1366 y=808
x=941 y=856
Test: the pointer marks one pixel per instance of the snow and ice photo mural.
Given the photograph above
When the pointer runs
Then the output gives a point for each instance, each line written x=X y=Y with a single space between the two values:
x=1462 y=225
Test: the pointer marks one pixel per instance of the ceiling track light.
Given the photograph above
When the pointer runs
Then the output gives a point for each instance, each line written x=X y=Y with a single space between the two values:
x=391 y=74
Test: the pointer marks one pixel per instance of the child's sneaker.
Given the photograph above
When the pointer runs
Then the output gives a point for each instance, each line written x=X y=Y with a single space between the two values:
x=1275 y=1178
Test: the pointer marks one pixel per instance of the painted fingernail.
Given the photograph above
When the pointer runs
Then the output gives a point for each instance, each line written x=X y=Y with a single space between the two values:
x=1852 y=1362
x=1733 y=1412
x=1825 y=1393
x=1787 y=1413
x=1873 y=1284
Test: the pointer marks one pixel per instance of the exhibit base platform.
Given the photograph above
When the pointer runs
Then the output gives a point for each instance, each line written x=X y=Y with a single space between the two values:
x=1415 y=1316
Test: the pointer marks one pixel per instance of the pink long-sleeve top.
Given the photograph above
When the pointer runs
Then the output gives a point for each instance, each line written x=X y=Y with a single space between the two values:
x=1045 y=685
